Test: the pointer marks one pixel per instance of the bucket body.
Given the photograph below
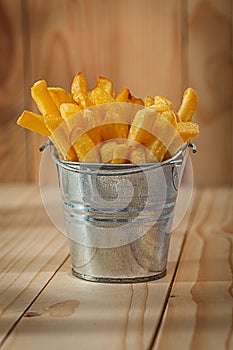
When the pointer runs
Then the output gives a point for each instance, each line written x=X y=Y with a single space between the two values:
x=118 y=217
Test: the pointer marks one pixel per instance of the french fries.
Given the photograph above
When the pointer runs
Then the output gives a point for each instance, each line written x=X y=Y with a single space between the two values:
x=33 y=122
x=114 y=126
x=60 y=95
x=188 y=105
x=138 y=155
x=142 y=126
x=59 y=136
x=79 y=91
x=120 y=153
x=43 y=100
x=106 y=151
x=164 y=129
x=99 y=126
x=105 y=84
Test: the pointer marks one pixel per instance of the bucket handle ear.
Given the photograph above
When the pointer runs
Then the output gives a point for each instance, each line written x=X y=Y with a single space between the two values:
x=193 y=146
x=179 y=166
x=46 y=144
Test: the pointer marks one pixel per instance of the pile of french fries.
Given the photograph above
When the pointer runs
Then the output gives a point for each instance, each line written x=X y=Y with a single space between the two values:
x=99 y=126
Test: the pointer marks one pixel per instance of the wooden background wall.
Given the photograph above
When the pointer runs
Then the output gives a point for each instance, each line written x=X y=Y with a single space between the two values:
x=154 y=47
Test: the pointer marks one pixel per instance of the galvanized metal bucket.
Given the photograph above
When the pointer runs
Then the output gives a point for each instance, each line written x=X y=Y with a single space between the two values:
x=118 y=217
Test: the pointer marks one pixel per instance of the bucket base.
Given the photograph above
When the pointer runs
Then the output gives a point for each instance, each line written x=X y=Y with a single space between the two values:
x=122 y=280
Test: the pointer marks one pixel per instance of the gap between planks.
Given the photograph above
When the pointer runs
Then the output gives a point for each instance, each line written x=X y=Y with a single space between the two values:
x=190 y=217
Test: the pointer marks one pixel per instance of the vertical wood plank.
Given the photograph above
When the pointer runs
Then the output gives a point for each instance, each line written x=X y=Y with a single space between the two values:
x=12 y=138
x=199 y=311
x=210 y=73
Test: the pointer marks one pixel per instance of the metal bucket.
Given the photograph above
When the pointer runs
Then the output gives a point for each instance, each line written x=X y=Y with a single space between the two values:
x=118 y=217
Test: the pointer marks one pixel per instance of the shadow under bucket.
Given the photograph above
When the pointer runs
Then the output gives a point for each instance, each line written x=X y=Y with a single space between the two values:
x=118 y=217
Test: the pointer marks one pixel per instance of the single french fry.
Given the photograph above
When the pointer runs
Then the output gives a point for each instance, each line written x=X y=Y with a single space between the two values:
x=106 y=151
x=136 y=100
x=70 y=113
x=59 y=136
x=120 y=153
x=123 y=95
x=79 y=91
x=105 y=84
x=33 y=122
x=100 y=96
x=60 y=95
x=79 y=84
x=43 y=100
x=188 y=130
x=86 y=149
x=114 y=126
x=163 y=101
x=164 y=130
x=161 y=104
x=138 y=155
x=188 y=106
x=141 y=127
x=92 y=125
x=149 y=101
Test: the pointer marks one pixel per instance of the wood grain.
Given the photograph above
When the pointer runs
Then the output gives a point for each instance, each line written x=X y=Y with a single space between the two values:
x=30 y=253
x=199 y=312
x=12 y=138
x=210 y=73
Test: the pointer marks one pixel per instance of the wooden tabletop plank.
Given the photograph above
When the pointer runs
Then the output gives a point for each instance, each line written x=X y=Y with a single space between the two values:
x=31 y=251
x=72 y=313
x=199 y=311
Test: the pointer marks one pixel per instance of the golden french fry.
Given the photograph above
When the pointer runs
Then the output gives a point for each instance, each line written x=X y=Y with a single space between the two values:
x=123 y=95
x=161 y=100
x=188 y=130
x=59 y=136
x=105 y=84
x=79 y=91
x=90 y=97
x=138 y=155
x=60 y=95
x=86 y=149
x=141 y=127
x=188 y=106
x=33 y=122
x=149 y=101
x=185 y=132
x=126 y=96
x=114 y=126
x=92 y=125
x=164 y=130
x=100 y=96
x=79 y=84
x=136 y=100
x=106 y=151
x=161 y=104
x=43 y=100
x=68 y=111
x=120 y=153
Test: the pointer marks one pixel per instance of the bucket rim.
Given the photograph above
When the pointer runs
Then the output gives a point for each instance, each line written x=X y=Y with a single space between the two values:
x=114 y=169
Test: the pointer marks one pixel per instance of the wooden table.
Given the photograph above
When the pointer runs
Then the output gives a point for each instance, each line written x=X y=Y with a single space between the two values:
x=43 y=306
